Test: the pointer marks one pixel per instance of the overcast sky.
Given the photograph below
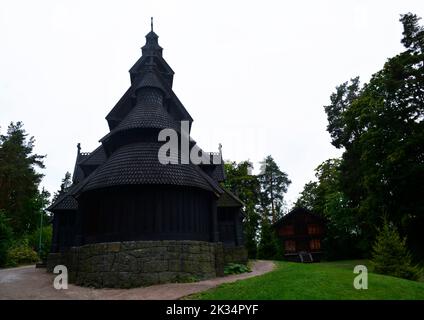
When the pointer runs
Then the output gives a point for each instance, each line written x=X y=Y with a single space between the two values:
x=254 y=75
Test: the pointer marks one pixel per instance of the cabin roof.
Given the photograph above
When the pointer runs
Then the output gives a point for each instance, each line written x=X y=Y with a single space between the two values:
x=296 y=211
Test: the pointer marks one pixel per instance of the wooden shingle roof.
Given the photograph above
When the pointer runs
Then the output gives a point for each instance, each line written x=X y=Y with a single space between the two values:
x=95 y=158
x=145 y=116
x=138 y=163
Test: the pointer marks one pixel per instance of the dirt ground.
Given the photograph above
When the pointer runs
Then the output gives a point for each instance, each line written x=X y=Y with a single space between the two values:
x=31 y=283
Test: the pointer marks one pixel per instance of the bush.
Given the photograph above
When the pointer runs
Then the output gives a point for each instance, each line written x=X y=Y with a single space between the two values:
x=270 y=246
x=236 y=268
x=46 y=240
x=390 y=255
x=20 y=253
x=6 y=236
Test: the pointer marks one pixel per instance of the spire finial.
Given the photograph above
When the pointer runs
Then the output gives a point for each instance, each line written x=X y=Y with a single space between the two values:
x=151 y=23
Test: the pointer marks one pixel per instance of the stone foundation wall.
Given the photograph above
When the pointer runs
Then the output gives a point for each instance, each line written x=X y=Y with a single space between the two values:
x=141 y=263
x=235 y=255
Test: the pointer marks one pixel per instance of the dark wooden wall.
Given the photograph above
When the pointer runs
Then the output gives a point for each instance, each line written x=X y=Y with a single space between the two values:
x=301 y=231
x=63 y=230
x=230 y=226
x=145 y=213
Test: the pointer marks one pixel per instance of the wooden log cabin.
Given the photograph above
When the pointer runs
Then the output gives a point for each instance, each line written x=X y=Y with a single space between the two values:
x=301 y=233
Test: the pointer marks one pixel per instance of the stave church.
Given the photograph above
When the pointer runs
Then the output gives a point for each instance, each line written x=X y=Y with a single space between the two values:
x=128 y=220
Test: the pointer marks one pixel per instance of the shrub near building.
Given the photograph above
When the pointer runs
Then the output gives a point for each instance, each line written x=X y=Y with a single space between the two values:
x=390 y=255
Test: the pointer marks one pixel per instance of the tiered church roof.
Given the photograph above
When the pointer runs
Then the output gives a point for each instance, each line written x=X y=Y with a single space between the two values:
x=128 y=154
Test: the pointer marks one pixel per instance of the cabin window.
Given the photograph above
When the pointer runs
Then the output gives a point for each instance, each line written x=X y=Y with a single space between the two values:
x=287 y=231
x=314 y=229
x=315 y=244
x=290 y=245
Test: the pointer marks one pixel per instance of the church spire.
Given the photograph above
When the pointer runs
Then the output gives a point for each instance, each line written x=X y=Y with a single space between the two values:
x=152 y=47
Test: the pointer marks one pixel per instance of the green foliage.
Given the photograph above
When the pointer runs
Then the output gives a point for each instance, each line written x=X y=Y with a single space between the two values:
x=19 y=195
x=390 y=255
x=263 y=196
x=308 y=196
x=20 y=253
x=274 y=184
x=246 y=186
x=315 y=281
x=236 y=268
x=380 y=127
x=6 y=237
x=64 y=186
x=325 y=198
x=46 y=239
x=270 y=246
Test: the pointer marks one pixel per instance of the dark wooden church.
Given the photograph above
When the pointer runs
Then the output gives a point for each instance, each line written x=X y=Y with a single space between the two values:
x=121 y=192
x=301 y=233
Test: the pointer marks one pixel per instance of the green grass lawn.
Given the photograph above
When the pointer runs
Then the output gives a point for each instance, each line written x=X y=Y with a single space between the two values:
x=325 y=280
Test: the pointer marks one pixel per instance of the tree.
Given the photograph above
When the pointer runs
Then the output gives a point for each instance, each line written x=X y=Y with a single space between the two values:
x=64 y=186
x=20 y=198
x=269 y=245
x=380 y=127
x=6 y=236
x=308 y=197
x=274 y=184
x=246 y=187
x=342 y=239
x=390 y=255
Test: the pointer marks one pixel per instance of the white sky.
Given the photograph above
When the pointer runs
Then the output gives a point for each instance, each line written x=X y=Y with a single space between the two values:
x=254 y=75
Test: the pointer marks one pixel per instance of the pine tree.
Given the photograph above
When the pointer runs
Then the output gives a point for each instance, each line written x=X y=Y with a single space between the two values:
x=391 y=256
x=20 y=198
x=269 y=245
x=64 y=186
x=274 y=184
x=6 y=236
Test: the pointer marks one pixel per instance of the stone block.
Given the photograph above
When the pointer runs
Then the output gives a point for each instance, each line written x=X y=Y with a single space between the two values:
x=174 y=265
x=167 y=276
x=113 y=247
x=139 y=263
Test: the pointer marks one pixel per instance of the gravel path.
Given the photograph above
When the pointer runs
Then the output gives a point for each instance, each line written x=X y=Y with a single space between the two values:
x=31 y=283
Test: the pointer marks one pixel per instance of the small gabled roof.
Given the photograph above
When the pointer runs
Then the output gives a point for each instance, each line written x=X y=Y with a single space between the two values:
x=216 y=171
x=295 y=211
x=158 y=60
x=95 y=158
x=124 y=104
x=78 y=173
x=229 y=199
x=181 y=107
x=65 y=201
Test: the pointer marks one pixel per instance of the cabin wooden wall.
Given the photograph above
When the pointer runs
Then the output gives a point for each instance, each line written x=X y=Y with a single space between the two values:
x=301 y=231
